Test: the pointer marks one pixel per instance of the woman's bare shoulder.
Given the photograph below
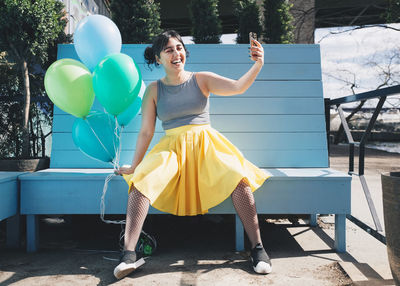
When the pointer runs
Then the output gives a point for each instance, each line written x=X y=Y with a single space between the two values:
x=151 y=90
x=152 y=86
x=202 y=79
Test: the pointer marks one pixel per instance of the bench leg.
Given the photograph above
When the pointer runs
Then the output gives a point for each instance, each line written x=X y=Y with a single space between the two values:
x=239 y=234
x=340 y=232
x=32 y=233
x=13 y=231
x=313 y=220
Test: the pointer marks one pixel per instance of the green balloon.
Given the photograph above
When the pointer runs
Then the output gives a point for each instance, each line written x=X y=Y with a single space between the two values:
x=69 y=86
x=116 y=82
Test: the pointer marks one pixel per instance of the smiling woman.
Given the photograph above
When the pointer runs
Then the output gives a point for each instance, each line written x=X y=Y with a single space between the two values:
x=193 y=167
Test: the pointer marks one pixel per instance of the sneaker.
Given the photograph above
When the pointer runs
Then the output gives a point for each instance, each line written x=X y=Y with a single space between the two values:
x=261 y=262
x=146 y=245
x=128 y=263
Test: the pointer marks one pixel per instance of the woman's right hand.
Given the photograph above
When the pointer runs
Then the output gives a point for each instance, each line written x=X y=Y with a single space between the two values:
x=257 y=52
x=124 y=171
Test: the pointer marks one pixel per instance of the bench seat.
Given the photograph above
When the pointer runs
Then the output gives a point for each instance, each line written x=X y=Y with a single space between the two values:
x=78 y=191
x=9 y=205
x=287 y=191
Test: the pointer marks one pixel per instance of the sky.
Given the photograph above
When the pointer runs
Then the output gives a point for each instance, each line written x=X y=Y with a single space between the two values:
x=356 y=56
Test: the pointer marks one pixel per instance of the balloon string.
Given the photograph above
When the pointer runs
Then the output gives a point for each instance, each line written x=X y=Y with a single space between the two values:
x=115 y=162
x=101 y=143
x=103 y=205
x=117 y=132
x=119 y=150
x=115 y=159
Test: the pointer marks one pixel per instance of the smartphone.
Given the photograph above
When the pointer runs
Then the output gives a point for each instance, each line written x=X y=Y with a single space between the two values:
x=252 y=37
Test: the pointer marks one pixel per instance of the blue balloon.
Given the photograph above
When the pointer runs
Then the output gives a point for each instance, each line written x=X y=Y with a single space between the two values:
x=126 y=116
x=96 y=37
x=95 y=136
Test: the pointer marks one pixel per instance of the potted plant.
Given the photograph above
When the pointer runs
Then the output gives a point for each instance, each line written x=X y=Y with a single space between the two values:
x=391 y=212
x=30 y=31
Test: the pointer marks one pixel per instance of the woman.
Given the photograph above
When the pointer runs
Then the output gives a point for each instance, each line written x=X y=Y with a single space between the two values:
x=193 y=167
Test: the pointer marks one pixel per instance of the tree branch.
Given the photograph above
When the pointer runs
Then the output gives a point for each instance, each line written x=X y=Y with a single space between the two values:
x=383 y=26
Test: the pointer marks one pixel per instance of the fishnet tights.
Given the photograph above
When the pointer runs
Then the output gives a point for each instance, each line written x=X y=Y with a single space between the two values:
x=136 y=212
x=245 y=205
x=243 y=201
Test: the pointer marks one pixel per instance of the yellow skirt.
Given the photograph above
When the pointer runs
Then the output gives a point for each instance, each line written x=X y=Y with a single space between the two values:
x=192 y=169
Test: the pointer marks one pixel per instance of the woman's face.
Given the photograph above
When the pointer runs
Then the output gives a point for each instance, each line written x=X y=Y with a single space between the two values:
x=173 y=56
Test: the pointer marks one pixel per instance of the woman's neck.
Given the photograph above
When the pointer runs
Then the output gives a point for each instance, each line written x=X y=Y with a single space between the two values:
x=176 y=79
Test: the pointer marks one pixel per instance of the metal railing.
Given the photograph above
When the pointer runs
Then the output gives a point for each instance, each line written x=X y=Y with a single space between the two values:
x=382 y=94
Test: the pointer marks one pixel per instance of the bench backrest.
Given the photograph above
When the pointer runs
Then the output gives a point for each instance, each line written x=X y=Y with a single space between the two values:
x=278 y=122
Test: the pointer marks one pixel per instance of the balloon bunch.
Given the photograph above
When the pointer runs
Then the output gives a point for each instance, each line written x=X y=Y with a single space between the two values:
x=113 y=77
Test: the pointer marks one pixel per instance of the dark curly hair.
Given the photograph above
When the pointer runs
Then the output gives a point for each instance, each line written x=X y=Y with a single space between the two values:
x=159 y=44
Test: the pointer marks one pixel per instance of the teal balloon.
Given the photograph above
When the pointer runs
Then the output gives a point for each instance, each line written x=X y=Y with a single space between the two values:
x=133 y=110
x=116 y=82
x=95 y=136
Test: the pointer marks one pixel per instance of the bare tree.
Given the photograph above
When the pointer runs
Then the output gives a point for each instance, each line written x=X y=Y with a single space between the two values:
x=355 y=28
x=387 y=68
x=304 y=27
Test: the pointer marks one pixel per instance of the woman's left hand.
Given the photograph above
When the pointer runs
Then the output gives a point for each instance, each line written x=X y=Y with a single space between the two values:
x=257 y=52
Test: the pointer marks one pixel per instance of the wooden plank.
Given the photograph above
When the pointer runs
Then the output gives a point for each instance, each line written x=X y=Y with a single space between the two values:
x=250 y=105
x=298 y=196
x=309 y=174
x=262 y=158
x=270 y=106
x=251 y=141
x=230 y=123
x=235 y=71
x=268 y=123
x=6 y=176
x=285 y=72
x=221 y=53
x=296 y=91
x=279 y=194
x=72 y=196
x=238 y=53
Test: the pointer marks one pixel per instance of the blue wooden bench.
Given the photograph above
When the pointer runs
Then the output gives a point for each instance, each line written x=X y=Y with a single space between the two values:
x=9 y=206
x=279 y=125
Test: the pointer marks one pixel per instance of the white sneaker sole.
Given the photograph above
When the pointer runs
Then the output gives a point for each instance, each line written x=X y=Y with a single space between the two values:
x=262 y=267
x=124 y=269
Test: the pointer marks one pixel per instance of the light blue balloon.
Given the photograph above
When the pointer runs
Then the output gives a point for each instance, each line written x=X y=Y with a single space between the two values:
x=133 y=110
x=95 y=136
x=96 y=37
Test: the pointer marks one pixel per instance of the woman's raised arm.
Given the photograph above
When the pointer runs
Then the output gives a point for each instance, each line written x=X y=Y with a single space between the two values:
x=213 y=83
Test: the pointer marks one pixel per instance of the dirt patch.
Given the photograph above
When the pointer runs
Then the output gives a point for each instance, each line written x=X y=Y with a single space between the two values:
x=334 y=273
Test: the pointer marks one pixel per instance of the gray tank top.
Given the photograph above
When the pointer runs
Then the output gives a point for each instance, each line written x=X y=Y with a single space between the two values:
x=182 y=104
